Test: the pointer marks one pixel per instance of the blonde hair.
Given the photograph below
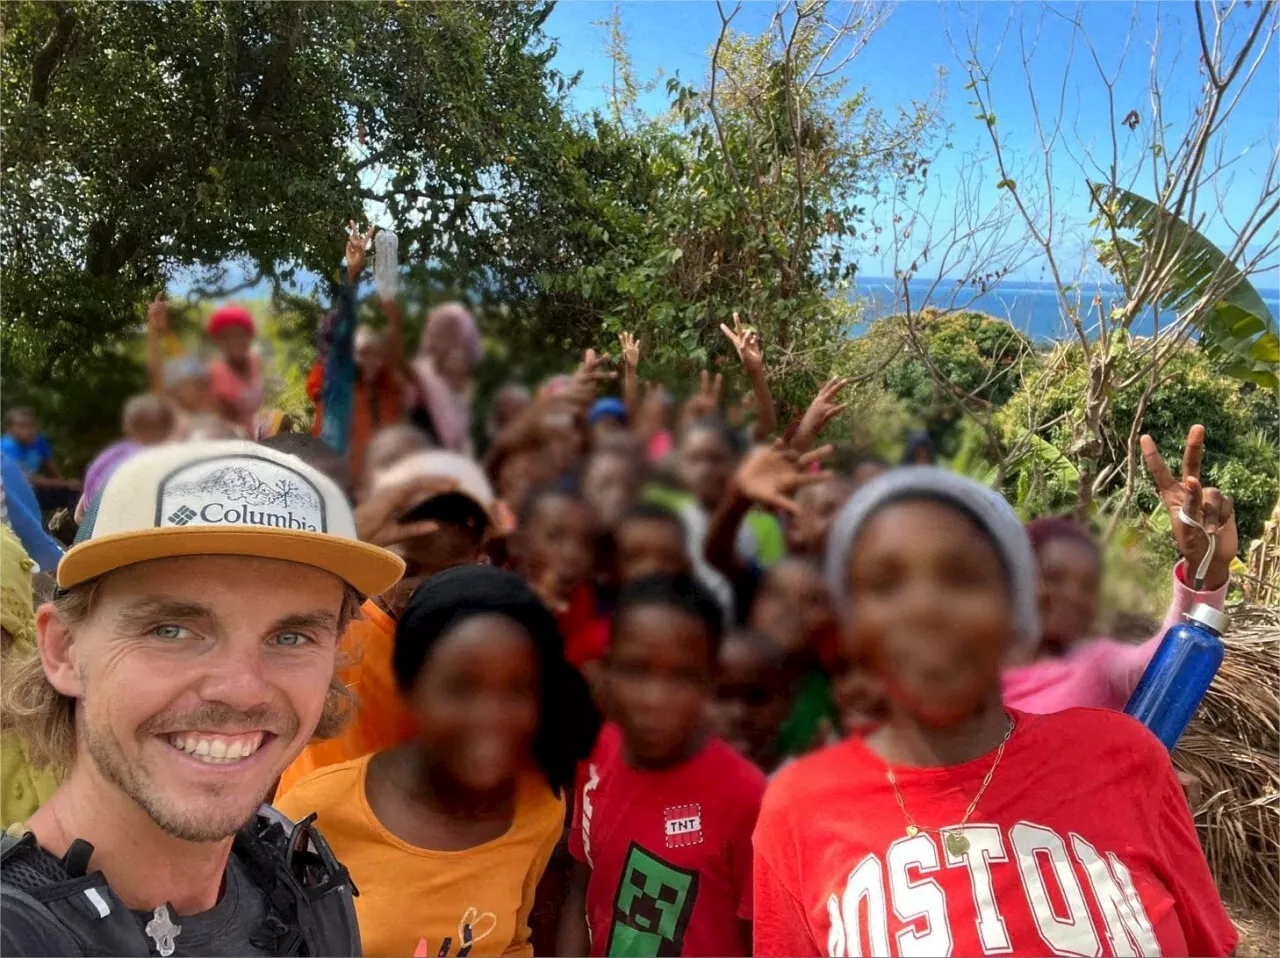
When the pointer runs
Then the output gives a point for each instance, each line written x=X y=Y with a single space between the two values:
x=44 y=718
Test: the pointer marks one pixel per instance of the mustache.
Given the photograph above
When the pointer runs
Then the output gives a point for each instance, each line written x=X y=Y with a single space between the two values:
x=216 y=717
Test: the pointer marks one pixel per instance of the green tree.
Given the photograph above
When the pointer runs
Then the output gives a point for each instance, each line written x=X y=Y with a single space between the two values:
x=141 y=138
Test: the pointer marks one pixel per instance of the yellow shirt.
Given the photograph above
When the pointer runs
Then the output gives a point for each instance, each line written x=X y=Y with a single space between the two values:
x=421 y=902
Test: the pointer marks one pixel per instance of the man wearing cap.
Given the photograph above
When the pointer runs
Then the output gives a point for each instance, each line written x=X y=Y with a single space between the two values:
x=454 y=509
x=189 y=656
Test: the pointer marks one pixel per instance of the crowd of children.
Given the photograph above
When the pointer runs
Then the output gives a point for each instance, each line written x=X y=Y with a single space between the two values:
x=654 y=684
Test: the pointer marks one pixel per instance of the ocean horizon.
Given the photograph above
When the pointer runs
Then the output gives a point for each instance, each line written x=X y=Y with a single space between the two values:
x=1031 y=307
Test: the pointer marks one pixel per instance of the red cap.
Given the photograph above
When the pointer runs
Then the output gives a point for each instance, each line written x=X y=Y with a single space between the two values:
x=229 y=317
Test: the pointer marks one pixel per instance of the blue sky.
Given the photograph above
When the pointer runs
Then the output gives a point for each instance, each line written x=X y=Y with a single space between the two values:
x=901 y=63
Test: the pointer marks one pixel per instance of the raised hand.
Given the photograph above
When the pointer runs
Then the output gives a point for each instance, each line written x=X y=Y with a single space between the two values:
x=630 y=351
x=587 y=377
x=706 y=401
x=651 y=417
x=821 y=411
x=357 y=249
x=770 y=474
x=746 y=342
x=1210 y=508
x=158 y=314
x=378 y=519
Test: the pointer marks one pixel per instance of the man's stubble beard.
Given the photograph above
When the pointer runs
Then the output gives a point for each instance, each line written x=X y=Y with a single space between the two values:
x=170 y=820
x=111 y=764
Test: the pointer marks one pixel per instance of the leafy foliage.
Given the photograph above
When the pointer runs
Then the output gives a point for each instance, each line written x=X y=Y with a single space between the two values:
x=1237 y=329
x=146 y=137
x=1236 y=417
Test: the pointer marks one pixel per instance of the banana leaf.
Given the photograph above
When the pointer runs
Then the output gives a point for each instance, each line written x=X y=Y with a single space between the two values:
x=1238 y=331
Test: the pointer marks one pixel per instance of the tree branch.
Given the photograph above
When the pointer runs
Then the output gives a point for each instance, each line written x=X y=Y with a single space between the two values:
x=49 y=56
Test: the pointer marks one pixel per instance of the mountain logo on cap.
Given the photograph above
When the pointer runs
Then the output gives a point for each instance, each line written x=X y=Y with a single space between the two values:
x=240 y=491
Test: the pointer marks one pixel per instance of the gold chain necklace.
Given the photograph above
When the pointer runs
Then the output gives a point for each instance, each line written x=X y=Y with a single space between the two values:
x=955 y=840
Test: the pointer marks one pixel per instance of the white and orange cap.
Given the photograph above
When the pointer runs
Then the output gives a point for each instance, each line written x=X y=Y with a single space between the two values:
x=224 y=498
x=438 y=463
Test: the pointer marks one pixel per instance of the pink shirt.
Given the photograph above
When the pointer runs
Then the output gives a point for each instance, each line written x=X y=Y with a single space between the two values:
x=1099 y=673
x=238 y=398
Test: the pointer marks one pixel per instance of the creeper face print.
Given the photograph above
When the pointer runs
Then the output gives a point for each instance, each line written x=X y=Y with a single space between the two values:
x=651 y=907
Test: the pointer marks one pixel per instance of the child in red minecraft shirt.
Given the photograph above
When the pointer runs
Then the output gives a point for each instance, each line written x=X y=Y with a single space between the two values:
x=662 y=826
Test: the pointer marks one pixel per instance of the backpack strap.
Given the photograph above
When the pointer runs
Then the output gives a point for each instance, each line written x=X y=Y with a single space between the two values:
x=47 y=911
x=311 y=910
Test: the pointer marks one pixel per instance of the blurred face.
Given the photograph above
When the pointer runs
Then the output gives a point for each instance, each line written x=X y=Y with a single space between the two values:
x=658 y=681
x=521 y=472
x=197 y=680
x=604 y=428
x=807 y=532
x=864 y=472
x=508 y=405
x=371 y=357
x=930 y=611
x=455 y=365
x=609 y=486
x=149 y=430
x=390 y=446
x=794 y=607
x=477 y=701
x=192 y=395
x=706 y=465
x=561 y=541
x=23 y=428
x=563 y=443
x=751 y=701
x=234 y=343
x=648 y=547
x=1069 y=583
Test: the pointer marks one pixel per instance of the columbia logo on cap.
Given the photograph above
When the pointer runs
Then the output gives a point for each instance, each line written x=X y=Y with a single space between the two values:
x=240 y=491
x=182 y=516
x=229 y=498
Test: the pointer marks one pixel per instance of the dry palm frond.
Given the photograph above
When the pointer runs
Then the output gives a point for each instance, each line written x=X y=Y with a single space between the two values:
x=1233 y=748
x=1262 y=581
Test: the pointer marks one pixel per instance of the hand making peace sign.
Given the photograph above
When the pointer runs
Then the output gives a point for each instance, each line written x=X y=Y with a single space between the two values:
x=1210 y=508
x=746 y=342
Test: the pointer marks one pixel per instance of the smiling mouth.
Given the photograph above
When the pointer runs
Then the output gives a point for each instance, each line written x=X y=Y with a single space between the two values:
x=217 y=749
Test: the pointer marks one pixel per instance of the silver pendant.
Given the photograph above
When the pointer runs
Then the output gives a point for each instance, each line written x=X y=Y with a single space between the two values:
x=956 y=843
x=163 y=931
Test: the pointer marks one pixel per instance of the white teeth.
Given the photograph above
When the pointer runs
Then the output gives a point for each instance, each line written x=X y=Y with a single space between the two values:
x=216 y=751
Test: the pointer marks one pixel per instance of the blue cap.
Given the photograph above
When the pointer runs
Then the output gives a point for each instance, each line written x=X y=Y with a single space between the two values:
x=608 y=407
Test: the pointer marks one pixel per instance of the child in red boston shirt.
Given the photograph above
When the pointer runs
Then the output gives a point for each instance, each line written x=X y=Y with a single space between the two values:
x=959 y=826
x=662 y=825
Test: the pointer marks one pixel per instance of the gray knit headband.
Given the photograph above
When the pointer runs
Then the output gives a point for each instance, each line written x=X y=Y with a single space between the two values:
x=991 y=510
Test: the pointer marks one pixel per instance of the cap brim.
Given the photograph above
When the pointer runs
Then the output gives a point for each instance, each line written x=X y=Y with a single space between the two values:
x=369 y=569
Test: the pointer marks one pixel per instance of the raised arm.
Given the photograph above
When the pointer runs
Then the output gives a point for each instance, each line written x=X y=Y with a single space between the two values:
x=821 y=411
x=630 y=384
x=157 y=326
x=768 y=476
x=339 y=366
x=1203 y=523
x=747 y=343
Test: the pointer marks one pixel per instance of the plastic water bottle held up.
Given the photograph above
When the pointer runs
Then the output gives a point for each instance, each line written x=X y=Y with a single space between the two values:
x=1179 y=674
x=386 y=277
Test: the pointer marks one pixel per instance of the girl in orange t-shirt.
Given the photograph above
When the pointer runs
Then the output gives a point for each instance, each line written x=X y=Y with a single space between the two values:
x=448 y=835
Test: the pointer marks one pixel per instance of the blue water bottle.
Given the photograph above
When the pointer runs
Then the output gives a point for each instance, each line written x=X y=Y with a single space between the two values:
x=1179 y=674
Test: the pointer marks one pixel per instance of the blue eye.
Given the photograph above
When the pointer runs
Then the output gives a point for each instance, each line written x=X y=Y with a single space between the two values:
x=291 y=639
x=170 y=632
